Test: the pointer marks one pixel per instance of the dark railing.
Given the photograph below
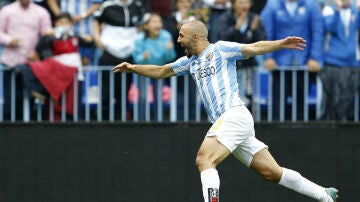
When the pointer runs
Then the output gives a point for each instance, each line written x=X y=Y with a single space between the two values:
x=174 y=99
x=312 y=103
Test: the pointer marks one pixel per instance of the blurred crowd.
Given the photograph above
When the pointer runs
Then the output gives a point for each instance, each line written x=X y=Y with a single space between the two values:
x=47 y=42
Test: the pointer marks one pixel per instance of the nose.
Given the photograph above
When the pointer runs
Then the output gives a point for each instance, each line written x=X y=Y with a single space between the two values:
x=178 y=39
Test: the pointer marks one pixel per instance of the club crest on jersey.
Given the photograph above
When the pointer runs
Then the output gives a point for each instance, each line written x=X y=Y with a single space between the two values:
x=213 y=195
x=209 y=56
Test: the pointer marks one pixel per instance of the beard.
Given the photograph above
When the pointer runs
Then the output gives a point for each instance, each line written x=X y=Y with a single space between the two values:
x=187 y=53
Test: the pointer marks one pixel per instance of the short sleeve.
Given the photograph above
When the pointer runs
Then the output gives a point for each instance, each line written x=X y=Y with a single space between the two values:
x=181 y=66
x=230 y=50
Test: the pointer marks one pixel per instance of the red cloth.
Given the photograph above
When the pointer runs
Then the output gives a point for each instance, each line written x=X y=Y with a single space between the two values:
x=56 y=78
x=69 y=45
x=162 y=7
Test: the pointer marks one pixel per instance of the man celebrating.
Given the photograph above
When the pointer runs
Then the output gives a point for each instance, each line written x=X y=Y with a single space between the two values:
x=213 y=69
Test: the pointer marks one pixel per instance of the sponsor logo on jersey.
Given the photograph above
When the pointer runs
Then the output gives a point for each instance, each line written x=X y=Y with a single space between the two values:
x=205 y=72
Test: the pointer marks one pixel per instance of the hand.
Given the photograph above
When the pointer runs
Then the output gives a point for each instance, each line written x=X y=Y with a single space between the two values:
x=339 y=4
x=49 y=32
x=33 y=56
x=293 y=42
x=254 y=23
x=146 y=55
x=77 y=19
x=99 y=44
x=169 y=45
x=270 y=64
x=313 y=65
x=221 y=2
x=88 y=38
x=14 y=43
x=240 y=21
x=124 y=67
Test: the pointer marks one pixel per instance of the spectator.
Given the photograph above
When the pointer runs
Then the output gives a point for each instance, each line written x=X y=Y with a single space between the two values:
x=340 y=76
x=21 y=24
x=115 y=29
x=183 y=13
x=293 y=18
x=153 y=45
x=257 y=6
x=63 y=45
x=243 y=26
x=217 y=7
x=60 y=54
x=44 y=4
x=82 y=12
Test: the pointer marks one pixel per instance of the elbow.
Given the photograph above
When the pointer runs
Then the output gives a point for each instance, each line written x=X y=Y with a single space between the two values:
x=250 y=50
x=161 y=75
x=248 y=55
x=164 y=73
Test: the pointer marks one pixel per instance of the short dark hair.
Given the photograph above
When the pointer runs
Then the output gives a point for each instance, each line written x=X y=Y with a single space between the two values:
x=64 y=15
x=233 y=1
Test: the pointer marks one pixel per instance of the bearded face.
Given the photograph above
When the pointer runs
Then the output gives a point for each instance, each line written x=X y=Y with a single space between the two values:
x=185 y=40
x=24 y=3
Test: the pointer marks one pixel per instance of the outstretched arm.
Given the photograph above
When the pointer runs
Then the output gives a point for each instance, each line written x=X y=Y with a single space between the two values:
x=152 y=71
x=263 y=47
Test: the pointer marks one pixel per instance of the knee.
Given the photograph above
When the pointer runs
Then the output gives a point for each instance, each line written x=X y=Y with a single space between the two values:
x=272 y=175
x=203 y=162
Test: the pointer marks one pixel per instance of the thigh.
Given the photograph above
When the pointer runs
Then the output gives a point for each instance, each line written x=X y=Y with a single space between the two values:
x=233 y=127
x=248 y=149
x=212 y=150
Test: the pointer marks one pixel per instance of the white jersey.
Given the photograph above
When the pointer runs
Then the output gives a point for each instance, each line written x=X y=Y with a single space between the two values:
x=214 y=72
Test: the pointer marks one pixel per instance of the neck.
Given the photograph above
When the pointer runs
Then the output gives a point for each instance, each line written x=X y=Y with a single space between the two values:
x=201 y=47
x=153 y=36
x=24 y=6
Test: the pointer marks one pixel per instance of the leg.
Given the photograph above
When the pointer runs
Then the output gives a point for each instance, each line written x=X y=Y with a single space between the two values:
x=264 y=164
x=7 y=94
x=210 y=154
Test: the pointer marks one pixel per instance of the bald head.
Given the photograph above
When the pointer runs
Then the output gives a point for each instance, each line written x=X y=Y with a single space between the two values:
x=193 y=37
x=196 y=27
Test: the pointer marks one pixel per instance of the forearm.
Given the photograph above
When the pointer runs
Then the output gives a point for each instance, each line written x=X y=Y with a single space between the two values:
x=262 y=47
x=153 y=71
x=54 y=7
x=5 y=39
x=96 y=30
x=92 y=9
